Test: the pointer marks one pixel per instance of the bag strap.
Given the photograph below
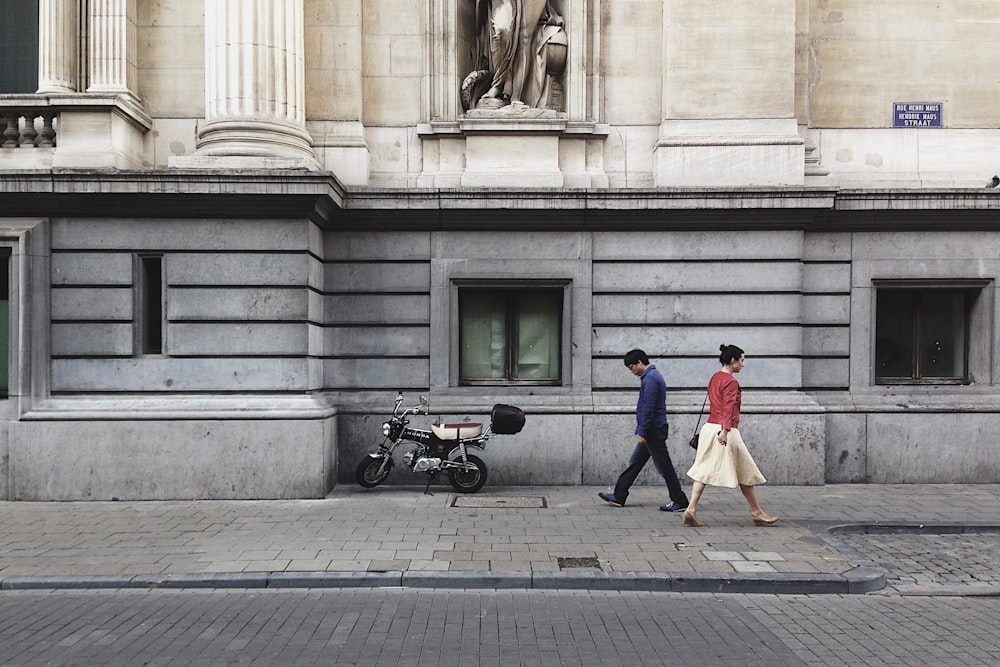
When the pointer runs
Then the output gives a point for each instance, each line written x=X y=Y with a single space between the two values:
x=698 y=423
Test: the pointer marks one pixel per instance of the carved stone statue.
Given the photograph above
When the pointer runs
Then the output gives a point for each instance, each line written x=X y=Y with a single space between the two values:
x=519 y=56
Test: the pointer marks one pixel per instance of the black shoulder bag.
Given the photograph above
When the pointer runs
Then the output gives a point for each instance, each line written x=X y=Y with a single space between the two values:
x=693 y=442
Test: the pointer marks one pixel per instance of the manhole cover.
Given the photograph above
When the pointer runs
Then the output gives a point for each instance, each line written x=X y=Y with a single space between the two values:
x=588 y=561
x=499 y=501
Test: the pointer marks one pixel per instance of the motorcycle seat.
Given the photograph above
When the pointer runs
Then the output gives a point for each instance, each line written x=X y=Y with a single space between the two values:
x=457 y=431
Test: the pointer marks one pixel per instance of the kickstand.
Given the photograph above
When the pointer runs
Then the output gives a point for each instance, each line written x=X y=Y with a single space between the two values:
x=431 y=477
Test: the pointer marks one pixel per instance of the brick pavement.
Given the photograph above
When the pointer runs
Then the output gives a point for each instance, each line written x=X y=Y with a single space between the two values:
x=406 y=627
x=524 y=537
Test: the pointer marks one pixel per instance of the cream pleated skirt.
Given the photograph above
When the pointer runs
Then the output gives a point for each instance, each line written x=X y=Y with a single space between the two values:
x=729 y=465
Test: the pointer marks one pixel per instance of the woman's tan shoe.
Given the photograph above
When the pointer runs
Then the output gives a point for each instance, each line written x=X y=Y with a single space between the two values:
x=763 y=519
x=691 y=520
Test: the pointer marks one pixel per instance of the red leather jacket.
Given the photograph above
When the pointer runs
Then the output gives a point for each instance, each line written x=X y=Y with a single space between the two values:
x=725 y=398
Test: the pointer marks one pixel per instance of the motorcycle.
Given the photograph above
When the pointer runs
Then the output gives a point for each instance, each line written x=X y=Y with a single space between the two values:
x=443 y=448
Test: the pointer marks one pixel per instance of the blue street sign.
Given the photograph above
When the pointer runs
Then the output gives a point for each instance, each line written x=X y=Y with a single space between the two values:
x=916 y=114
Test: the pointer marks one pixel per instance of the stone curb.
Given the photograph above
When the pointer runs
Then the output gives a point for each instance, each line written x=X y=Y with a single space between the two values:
x=898 y=528
x=857 y=580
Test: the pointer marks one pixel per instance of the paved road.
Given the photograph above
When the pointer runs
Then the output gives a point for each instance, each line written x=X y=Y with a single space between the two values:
x=413 y=627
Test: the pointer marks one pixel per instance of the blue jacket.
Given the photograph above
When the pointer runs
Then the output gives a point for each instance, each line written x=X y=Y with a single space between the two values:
x=651 y=410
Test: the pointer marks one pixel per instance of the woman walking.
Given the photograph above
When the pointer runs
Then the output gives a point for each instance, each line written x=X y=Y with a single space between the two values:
x=723 y=459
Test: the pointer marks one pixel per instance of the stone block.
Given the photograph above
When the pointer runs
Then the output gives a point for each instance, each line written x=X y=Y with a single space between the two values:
x=106 y=268
x=100 y=138
x=826 y=341
x=826 y=309
x=171 y=459
x=695 y=340
x=376 y=341
x=827 y=246
x=634 y=100
x=690 y=373
x=144 y=235
x=697 y=245
x=386 y=309
x=155 y=373
x=931 y=448
x=511 y=159
x=92 y=339
x=750 y=152
x=691 y=277
x=513 y=253
x=361 y=245
x=694 y=309
x=238 y=303
x=826 y=373
x=818 y=278
x=237 y=339
x=92 y=303
x=382 y=95
x=368 y=277
x=376 y=373
x=242 y=269
x=169 y=46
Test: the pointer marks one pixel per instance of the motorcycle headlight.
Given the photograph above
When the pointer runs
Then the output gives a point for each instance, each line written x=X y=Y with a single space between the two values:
x=385 y=429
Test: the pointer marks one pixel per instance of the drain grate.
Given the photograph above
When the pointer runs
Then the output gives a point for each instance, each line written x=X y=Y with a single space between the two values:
x=493 y=502
x=576 y=563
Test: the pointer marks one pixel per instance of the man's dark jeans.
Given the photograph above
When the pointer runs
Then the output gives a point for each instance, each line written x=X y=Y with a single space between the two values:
x=655 y=448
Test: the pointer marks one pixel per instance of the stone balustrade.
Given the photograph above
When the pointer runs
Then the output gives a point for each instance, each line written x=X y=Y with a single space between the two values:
x=24 y=127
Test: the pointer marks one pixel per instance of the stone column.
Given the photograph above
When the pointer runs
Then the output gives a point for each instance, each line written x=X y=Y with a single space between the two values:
x=113 y=47
x=255 y=85
x=58 y=46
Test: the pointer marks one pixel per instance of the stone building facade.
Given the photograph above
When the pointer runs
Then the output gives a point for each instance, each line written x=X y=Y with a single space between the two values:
x=233 y=230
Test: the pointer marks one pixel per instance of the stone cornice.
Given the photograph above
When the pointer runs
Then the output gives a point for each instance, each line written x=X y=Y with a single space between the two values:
x=171 y=192
x=956 y=199
x=319 y=196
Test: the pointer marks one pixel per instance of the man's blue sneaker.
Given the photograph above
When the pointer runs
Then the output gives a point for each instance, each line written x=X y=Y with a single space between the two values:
x=673 y=507
x=610 y=497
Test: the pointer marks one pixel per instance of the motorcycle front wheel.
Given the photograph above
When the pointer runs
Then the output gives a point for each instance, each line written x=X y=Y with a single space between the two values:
x=471 y=479
x=371 y=473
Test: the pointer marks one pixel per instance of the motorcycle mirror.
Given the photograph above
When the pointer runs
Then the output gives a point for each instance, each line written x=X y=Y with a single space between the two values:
x=423 y=402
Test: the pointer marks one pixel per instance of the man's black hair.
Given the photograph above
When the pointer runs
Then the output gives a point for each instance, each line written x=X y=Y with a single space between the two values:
x=635 y=356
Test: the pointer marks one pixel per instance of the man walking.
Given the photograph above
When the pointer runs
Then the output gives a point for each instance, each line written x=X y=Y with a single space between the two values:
x=651 y=432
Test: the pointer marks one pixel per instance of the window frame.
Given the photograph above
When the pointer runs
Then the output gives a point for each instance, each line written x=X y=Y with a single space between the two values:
x=509 y=288
x=542 y=259
x=150 y=321
x=6 y=281
x=974 y=314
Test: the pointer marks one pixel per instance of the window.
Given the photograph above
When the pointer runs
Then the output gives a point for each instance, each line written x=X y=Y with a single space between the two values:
x=149 y=297
x=510 y=335
x=19 y=46
x=922 y=333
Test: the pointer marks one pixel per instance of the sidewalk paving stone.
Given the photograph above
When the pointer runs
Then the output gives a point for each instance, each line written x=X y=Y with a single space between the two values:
x=827 y=539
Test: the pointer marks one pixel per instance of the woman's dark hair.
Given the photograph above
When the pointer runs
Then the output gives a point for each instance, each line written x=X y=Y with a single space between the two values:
x=635 y=356
x=729 y=354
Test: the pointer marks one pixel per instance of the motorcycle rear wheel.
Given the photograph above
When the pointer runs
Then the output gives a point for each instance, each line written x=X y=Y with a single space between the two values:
x=368 y=474
x=471 y=480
